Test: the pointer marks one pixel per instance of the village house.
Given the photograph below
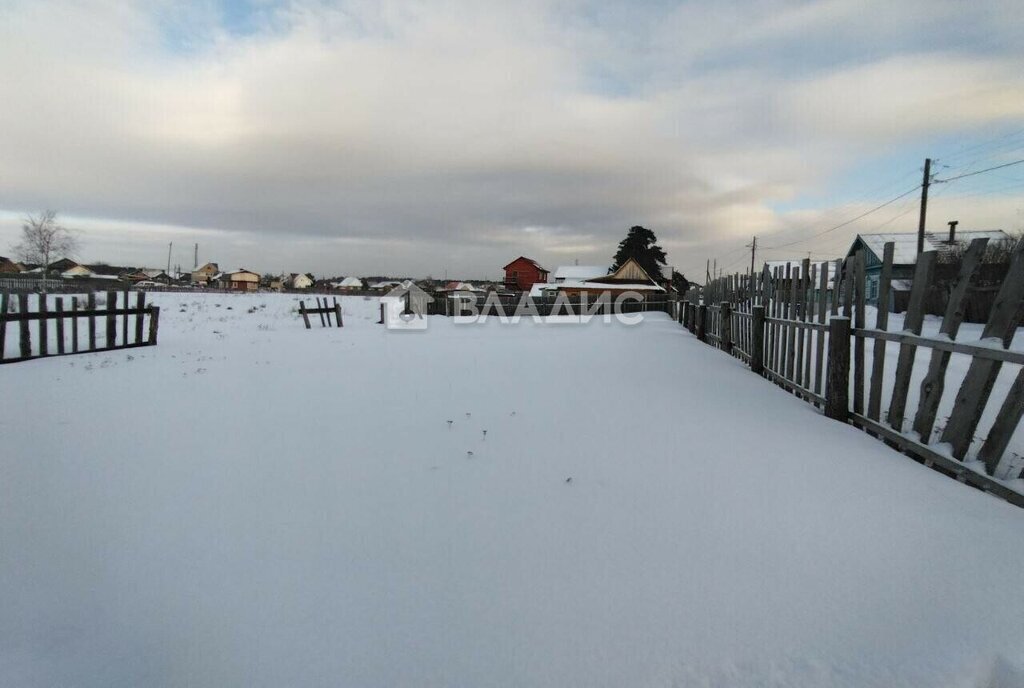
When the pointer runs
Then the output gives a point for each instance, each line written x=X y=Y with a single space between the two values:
x=905 y=258
x=348 y=284
x=205 y=274
x=629 y=277
x=239 y=280
x=9 y=266
x=522 y=273
x=298 y=281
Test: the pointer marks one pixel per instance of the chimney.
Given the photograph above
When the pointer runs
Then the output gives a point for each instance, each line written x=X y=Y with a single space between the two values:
x=952 y=230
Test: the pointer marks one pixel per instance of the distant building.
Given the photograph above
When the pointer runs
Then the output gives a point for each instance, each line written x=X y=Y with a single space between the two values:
x=579 y=272
x=349 y=284
x=239 y=280
x=522 y=273
x=204 y=274
x=298 y=281
x=629 y=277
x=905 y=257
x=8 y=265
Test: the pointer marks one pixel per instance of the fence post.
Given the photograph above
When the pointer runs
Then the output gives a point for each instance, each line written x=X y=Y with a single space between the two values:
x=725 y=327
x=154 y=324
x=837 y=384
x=702 y=322
x=757 y=340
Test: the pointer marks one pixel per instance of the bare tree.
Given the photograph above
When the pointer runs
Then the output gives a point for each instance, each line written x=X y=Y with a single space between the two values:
x=43 y=240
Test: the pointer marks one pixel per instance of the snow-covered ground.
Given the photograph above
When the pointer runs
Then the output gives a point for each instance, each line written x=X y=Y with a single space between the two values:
x=254 y=504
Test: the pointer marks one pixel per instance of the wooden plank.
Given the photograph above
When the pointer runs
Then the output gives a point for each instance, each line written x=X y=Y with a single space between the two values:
x=24 y=338
x=44 y=335
x=881 y=323
x=860 y=277
x=819 y=360
x=835 y=286
x=801 y=314
x=977 y=349
x=725 y=313
x=111 y=319
x=934 y=381
x=848 y=283
x=5 y=299
x=757 y=340
x=320 y=312
x=791 y=330
x=91 y=307
x=337 y=312
x=977 y=384
x=74 y=324
x=773 y=307
x=305 y=315
x=913 y=321
x=837 y=384
x=140 y=305
x=124 y=318
x=60 y=325
x=807 y=316
x=154 y=325
x=998 y=461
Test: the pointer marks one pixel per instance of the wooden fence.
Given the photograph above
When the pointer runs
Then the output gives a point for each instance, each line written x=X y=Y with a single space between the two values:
x=79 y=325
x=813 y=340
x=325 y=312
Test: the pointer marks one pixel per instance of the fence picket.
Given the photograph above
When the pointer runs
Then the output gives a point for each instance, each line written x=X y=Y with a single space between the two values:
x=977 y=384
x=881 y=323
x=934 y=381
x=913 y=321
x=5 y=299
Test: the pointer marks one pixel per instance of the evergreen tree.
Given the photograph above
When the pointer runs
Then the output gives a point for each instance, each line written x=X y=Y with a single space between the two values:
x=680 y=283
x=641 y=245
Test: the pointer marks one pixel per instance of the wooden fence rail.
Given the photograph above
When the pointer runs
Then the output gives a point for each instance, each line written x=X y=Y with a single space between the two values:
x=67 y=336
x=324 y=310
x=805 y=328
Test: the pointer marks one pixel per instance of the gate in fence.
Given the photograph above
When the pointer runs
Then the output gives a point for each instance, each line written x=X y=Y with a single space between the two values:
x=79 y=325
x=805 y=328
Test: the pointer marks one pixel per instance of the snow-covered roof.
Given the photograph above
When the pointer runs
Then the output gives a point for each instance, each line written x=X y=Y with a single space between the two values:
x=580 y=272
x=905 y=244
x=541 y=287
x=351 y=282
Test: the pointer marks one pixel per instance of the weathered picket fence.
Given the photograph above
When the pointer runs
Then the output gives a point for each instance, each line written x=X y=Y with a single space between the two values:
x=787 y=325
x=70 y=335
x=324 y=310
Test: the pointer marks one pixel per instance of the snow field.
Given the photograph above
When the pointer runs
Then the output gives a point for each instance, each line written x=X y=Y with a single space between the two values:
x=251 y=503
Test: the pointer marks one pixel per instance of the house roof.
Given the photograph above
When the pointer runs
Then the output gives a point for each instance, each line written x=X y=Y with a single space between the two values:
x=239 y=270
x=528 y=260
x=580 y=272
x=629 y=272
x=539 y=288
x=351 y=282
x=905 y=244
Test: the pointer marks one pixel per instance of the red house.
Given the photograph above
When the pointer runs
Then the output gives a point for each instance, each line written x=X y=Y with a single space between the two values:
x=522 y=273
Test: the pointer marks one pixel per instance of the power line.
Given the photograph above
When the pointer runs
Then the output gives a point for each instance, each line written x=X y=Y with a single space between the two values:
x=848 y=222
x=971 y=174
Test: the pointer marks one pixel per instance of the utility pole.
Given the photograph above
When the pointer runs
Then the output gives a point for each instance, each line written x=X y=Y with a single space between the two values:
x=169 y=247
x=707 y=272
x=753 y=253
x=195 y=260
x=924 y=204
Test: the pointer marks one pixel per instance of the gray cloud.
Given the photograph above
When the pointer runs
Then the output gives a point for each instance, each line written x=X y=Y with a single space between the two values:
x=358 y=137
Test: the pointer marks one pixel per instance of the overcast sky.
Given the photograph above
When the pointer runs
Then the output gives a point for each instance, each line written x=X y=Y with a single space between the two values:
x=417 y=138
